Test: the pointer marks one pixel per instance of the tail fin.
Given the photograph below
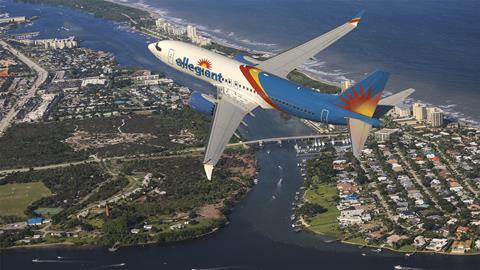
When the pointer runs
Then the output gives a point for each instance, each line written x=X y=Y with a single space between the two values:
x=363 y=97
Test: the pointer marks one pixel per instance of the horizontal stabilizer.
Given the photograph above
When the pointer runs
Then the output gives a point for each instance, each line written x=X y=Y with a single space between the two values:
x=396 y=98
x=358 y=135
x=388 y=103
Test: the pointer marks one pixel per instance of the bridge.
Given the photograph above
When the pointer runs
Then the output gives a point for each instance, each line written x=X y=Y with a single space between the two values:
x=292 y=138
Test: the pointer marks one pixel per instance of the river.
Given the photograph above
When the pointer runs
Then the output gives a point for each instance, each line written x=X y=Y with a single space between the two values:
x=259 y=234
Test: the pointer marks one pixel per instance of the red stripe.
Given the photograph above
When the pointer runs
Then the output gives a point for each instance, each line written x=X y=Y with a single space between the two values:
x=246 y=72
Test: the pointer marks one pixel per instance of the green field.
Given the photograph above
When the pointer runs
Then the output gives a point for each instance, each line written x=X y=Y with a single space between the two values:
x=48 y=211
x=14 y=198
x=325 y=223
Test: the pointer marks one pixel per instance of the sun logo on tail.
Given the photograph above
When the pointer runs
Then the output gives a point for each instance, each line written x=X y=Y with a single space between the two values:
x=359 y=101
x=204 y=63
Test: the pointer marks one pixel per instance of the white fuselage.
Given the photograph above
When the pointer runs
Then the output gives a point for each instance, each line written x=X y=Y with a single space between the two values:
x=214 y=68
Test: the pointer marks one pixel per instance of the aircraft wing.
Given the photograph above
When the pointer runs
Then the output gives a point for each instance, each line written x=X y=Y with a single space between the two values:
x=284 y=63
x=229 y=112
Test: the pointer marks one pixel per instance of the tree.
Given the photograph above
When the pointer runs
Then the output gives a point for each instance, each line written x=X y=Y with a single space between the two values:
x=114 y=230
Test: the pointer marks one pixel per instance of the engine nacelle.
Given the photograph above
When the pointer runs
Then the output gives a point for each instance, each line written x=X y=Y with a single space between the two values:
x=202 y=103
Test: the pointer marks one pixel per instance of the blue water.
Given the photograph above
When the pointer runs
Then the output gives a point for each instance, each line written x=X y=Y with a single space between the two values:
x=259 y=235
x=430 y=45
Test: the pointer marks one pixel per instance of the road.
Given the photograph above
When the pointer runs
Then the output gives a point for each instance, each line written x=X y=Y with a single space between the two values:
x=419 y=181
x=451 y=167
x=42 y=75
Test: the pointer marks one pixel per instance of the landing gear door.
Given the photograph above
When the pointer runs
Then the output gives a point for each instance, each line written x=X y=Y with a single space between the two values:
x=171 y=56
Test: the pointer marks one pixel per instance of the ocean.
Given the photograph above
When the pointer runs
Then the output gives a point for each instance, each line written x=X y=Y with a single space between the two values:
x=430 y=45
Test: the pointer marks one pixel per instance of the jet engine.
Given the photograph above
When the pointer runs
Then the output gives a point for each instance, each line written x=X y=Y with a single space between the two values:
x=202 y=103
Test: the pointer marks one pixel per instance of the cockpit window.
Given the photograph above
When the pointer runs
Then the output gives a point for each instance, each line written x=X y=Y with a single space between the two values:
x=158 y=47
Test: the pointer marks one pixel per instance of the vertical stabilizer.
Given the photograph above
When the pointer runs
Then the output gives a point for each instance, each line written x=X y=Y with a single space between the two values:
x=363 y=97
x=358 y=134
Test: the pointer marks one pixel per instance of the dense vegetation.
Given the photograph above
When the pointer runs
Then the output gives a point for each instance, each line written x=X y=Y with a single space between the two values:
x=68 y=185
x=320 y=170
x=306 y=81
x=103 y=9
x=310 y=209
x=37 y=144
x=185 y=184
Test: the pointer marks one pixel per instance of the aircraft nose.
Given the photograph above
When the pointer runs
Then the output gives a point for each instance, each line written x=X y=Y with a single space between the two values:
x=152 y=46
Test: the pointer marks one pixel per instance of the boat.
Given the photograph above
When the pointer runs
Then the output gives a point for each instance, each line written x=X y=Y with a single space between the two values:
x=255 y=181
x=398 y=267
x=36 y=260
x=292 y=217
x=114 y=247
x=377 y=250
x=363 y=254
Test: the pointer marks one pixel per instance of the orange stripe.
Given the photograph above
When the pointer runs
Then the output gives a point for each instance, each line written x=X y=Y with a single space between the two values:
x=354 y=20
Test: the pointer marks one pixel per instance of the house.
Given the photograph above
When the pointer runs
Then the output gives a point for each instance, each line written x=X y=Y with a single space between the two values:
x=419 y=241
x=394 y=238
x=134 y=231
x=462 y=230
x=177 y=226
x=437 y=244
x=147 y=227
x=460 y=247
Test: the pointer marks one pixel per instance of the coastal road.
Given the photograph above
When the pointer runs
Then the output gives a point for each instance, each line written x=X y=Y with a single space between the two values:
x=42 y=75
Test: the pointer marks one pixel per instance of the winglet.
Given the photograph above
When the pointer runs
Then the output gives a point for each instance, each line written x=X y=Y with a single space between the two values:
x=356 y=19
x=208 y=170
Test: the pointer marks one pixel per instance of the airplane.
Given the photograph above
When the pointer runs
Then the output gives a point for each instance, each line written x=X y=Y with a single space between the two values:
x=244 y=83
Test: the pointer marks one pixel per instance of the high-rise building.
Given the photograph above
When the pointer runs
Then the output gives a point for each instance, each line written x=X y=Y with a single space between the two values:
x=385 y=134
x=403 y=111
x=346 y=84
x=420 y=111
x=159 y=22
x=192 y=32
x=435 y=116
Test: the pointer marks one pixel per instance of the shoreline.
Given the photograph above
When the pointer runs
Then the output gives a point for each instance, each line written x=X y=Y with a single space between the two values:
x=157 y=12
x=68 y=244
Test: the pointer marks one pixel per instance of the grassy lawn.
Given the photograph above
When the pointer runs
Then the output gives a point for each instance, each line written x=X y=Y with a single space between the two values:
x=407 y=248
x=14 y=198
x=48 y=211
x=325 y=223
x=357 y=240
